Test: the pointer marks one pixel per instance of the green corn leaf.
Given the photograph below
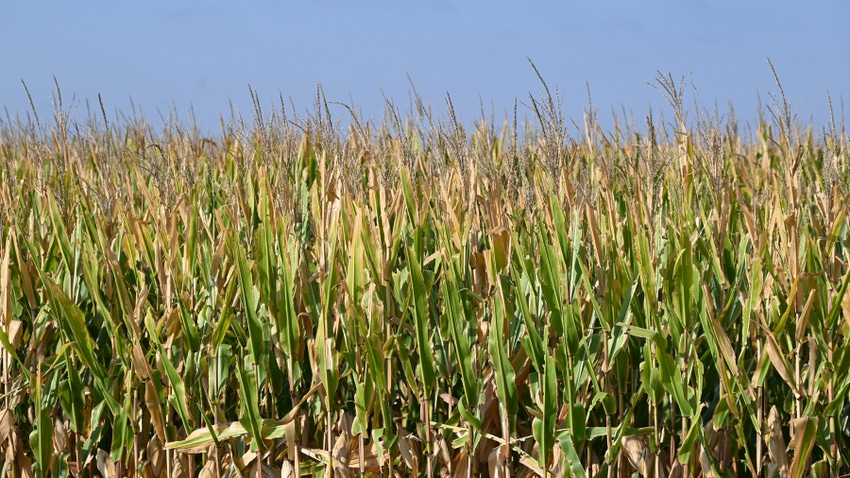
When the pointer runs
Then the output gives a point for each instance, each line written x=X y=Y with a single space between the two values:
x=122 y=436
x=804 y=435
x=287 y=318
x=578 y=426
x=836 y=310
x=668 y=373
x=41 y=438
x=250 y=301
x=355 y=280
x=756 y=282
x=61 y=234
x=364 y=398
x=407 y=191
x=573 y=329
x=532 y=342
x=178 y=388
x=571 y=457
x=505 y=374
x=264 y=240
x=618 y=337
x=688 y=447
x=72 y=397
x=550 y=281
x=74 y=327
x=459 y=324
x=421 y=318
x=326 y=360
x=544 y=427
x=249 y=405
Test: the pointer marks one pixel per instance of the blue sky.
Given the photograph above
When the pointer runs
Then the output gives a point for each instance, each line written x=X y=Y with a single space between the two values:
x=170 y=55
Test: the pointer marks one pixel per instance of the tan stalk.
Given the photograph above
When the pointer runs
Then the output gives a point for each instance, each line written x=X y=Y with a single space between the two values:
x=136 y=456
x=759 y=416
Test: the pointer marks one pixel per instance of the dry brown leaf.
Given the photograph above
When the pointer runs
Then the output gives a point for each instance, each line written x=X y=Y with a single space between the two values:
x=179 y=466
x=15 y=332
x=289 y=429
x=776 y=443
x=10 y=454
x=556 y=466
x=25 y=467
x=451 y=400
x=705 y=464
x=287 y=470
x=370 y=457
x=493 y=464
x=268 y=472
x=803 y=320
x=595 y=464
x=501 y=240
x=441 y=447
x=341 y=449
x=407 y=449
x=346 y=420
x=173 y=329
x=676 y=470
x=208 y=471
x=155 y=466
x=777 y=359
x=461 y=465
x=137 y=312
x=105 y=465
x=7 y=424
x=496 y=462
x=531 y=464
x=60 y=437
x=5 y=289
x=154 y=407
x=638 y=453
x=140 y=363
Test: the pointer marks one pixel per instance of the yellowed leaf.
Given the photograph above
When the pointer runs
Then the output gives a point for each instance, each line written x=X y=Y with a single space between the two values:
x=140 y=363
x=442 y=448
x=105 y=465
x=778 y=360
x=60 y=437
x=155 y=409
x=341 y=449
x=179 y=466
x=496 y=462
x=531 y=464
x=638 y=453
x=15 y=332
x=155 y=466
x=208 y=471
x=776 y=443
x=25 y=465
x=803 y=320
x=461 y=465
x=5 y=287
x=287 y=470
x=408 y=453
x=7 y=424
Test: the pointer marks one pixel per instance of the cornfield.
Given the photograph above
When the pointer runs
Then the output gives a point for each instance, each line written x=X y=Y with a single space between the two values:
x=314 y=295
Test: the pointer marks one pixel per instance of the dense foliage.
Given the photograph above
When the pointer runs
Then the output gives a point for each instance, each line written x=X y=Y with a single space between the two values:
x=417 y=298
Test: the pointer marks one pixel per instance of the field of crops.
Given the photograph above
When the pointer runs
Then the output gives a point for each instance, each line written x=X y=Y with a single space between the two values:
x=319 y=295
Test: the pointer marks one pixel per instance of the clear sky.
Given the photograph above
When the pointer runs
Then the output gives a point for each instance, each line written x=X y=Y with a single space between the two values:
x=172 y=54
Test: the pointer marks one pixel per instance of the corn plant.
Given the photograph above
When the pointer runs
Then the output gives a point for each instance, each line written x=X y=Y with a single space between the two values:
x=290 y=299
